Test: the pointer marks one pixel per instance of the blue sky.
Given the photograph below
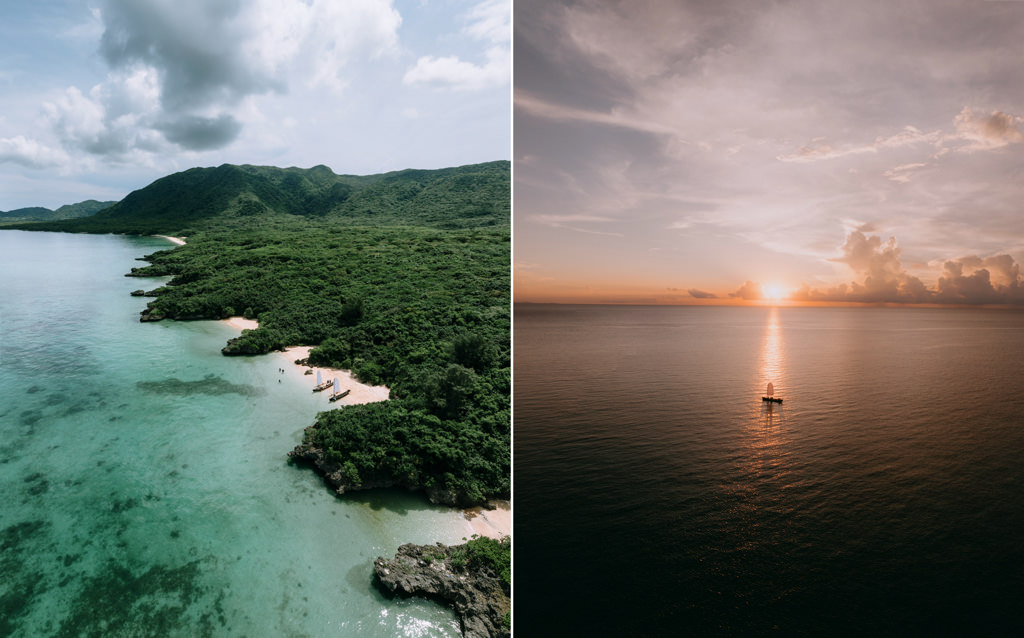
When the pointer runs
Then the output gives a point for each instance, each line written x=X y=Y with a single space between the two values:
x=101 y=97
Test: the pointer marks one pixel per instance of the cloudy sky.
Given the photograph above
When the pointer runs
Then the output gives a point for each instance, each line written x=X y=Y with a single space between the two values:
x=101 y=97
x=677 y=151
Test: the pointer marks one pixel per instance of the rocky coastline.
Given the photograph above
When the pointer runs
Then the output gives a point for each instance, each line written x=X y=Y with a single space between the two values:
x=333 y=476
x=443 y=573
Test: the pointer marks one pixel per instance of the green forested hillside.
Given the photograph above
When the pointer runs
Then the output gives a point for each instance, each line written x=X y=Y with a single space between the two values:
x=26 y=214
x=230 y=196
x=403 y=277
x=69 y=211
x=81 y=209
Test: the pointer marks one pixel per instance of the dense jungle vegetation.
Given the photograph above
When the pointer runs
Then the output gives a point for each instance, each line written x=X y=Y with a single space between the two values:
x=404 y=278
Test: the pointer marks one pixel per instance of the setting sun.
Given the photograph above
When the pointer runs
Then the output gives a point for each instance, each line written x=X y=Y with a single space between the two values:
x=774 y=292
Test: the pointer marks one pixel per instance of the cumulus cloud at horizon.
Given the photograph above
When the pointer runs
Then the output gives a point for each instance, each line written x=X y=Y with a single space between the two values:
x=882 y=278
x=749 y=291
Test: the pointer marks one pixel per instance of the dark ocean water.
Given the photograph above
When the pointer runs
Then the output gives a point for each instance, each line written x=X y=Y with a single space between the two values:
x=656 y=494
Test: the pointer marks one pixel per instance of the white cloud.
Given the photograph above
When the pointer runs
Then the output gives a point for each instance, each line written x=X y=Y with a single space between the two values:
x=116 y=120
x=489 y=22
x=452 y=73
x=30 y=153
x=182 y=72
x=325 y=35
x=76 y=118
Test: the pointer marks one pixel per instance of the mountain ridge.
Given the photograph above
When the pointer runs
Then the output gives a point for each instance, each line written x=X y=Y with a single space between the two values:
x=67 y=211
x=467 y=196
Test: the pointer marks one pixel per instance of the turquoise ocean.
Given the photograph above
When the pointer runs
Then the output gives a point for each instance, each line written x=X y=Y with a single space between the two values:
x=145 y=485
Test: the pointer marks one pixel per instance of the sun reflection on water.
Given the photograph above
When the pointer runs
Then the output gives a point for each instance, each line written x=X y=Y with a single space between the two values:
x=772 y=368
x=764 y=470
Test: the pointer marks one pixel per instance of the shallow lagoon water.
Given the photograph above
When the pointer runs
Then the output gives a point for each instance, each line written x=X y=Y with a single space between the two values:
x=145 y=477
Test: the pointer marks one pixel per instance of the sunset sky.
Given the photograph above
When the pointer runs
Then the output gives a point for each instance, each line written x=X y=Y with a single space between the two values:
x=101 y=97
x=699 y=151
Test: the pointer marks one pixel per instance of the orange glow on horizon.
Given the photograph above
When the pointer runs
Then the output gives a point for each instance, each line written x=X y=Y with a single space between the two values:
x=530 y=287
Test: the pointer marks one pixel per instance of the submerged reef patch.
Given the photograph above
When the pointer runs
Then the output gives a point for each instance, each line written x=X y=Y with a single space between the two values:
x=20 y=581
x=210 y=384
x=155 y=602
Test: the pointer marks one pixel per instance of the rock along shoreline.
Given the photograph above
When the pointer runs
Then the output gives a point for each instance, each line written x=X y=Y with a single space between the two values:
x=439 y=572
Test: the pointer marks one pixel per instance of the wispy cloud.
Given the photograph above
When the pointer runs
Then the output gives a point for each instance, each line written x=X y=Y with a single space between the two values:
x=819 y=149
x=617 y=117
x=902 y=173
x=561 y=220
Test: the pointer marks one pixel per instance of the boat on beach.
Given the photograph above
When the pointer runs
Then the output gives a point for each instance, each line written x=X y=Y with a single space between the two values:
x=338 y=393
x=321 y=385
x=771 y=398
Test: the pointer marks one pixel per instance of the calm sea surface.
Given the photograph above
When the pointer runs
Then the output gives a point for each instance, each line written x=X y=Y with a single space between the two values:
x=145 y=488
x=656 y=494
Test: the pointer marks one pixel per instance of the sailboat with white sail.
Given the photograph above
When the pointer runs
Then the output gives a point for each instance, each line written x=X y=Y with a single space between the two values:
x=321 y=385
x=770 y=395
x=338 y=392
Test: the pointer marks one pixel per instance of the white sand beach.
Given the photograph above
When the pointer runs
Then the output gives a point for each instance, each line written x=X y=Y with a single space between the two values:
x=359 y=392
x=174 y=240
x=492 y=523
x=241 y=323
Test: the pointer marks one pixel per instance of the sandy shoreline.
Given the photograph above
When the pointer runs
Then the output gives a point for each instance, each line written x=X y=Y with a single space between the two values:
x=174 y=240
x=242 y=323
x=358 y=392
x=492 y=523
